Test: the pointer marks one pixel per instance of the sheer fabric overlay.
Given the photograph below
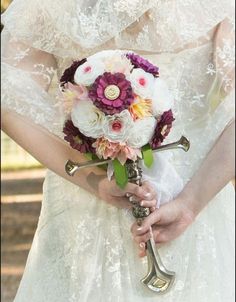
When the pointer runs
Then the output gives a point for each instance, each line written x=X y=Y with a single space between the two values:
x=82 y=249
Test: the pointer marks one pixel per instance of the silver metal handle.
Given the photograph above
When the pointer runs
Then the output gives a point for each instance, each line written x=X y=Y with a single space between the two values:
x=72 y=167
x=158 y=278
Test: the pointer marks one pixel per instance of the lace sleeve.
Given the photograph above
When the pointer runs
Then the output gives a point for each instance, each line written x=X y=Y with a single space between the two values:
x=221 y=96
x=26 y=77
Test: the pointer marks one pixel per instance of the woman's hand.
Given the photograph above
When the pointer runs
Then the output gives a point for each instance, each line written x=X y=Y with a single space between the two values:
x=114 y=195
x=167 y=222
x=173 y=218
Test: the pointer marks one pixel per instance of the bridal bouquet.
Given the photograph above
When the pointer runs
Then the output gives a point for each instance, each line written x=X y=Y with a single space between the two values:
x=117 y=108
x=118 y=112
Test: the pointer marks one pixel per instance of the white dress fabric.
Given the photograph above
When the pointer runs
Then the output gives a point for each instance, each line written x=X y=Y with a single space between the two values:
x=83 y=249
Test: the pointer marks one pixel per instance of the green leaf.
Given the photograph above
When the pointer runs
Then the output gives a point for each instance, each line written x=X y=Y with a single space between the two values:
x=120 y=173
x=91 y=156
x=147 y=155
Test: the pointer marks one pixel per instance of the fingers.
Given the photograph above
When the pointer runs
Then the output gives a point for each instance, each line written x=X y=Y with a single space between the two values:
x=140 y=192
x=143 y=238
x=149 y=203
x=160 y=237
x=142 y=249
x=153 y=218
x=149 y=188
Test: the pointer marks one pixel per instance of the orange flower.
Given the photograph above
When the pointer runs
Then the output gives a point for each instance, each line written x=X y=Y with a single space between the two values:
x=140 y=108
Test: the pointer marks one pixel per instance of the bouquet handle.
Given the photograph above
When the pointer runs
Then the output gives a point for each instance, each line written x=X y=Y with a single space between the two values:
x=158 y=278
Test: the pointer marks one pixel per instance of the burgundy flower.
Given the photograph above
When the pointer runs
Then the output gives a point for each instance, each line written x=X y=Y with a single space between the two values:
x=163 y=128
x=77 y=140
x=111 y=93
x=140 y=62
x=68 y=75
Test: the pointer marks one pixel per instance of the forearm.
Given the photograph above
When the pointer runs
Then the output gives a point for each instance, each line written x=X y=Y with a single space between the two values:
x=215 y=172
x=50 y=150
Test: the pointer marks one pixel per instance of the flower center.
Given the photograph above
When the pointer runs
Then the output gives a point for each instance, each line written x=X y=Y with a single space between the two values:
x=116 y=126
x=163 y=130
x=142 y=81
x=112 y=92
x=77 y=139
x=87 y=69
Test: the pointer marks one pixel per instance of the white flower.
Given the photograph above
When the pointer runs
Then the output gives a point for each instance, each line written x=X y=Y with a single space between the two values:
x=88 y=118
x=118 y=63
x=117 y=127
x=142 y=83
x=162 y=99
x=142 y=132
x=87 y=73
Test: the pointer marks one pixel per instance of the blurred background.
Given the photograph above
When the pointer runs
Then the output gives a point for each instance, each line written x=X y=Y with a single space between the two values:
x=21 y=182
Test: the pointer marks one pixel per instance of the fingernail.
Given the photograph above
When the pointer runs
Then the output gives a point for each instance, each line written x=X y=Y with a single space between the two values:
x=147 y=194
x=141 y=203
x=139 y=229
x=142 y=245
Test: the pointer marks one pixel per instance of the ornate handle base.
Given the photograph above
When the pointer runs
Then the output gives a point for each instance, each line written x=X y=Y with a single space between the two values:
x=158 y=278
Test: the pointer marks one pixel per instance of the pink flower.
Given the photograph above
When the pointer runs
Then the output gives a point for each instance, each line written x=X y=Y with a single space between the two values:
x=128 y=153
x=109 y=150
x=79 y=92
x=106 y=149
x=72 y=93
x=112 y=93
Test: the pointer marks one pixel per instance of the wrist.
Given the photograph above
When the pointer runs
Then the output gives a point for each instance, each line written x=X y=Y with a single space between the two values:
x=190 y=202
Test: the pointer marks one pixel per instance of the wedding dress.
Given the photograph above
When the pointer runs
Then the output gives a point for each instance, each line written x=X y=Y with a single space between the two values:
x=83 y=249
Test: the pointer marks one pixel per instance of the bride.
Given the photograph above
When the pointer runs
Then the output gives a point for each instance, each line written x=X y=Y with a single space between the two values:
x=83 y=249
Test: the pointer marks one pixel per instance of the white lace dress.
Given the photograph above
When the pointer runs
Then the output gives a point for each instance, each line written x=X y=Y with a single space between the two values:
x=82 y=249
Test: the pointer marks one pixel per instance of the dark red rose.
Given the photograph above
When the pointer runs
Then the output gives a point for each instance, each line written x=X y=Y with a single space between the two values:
x=163 y=128
x=77 y=140
x=68 y=75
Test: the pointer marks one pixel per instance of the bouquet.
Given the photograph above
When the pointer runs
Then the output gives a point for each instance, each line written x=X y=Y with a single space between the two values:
x=119 y=111
x=118 y=108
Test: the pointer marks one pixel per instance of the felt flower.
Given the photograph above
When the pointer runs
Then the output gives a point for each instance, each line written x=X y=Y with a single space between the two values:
x=72 y=93
x=77 y=140
x=106 y=149
x=127 y=152
x=162 y=129
x=139 y=62
x=68 y=75
x=118 y=63
x=162 y=100
x=140 y=108
x=112 y=93
x=142 y=83
x=87 y=73
x=141 y=132
x=88 y=118
x=117 y=127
